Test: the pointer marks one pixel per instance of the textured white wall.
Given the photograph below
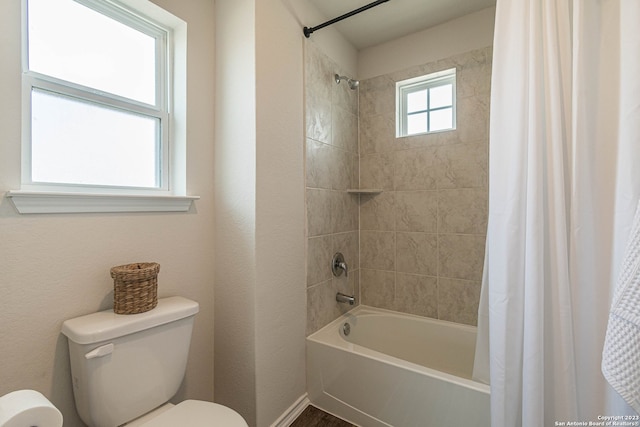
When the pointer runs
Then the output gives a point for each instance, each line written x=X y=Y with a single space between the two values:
x=260 y=212
x=464 y=34
x=55 y=267
x=280 y=287
x=235 y=206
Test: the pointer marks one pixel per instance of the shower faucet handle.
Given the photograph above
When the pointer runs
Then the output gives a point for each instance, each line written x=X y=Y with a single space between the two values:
x=338 y=265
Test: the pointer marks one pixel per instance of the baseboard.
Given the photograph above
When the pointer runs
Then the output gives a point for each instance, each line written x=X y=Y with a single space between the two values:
x=290 y=415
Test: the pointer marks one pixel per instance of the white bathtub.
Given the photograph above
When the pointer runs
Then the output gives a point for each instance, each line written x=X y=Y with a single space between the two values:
x=396 y=370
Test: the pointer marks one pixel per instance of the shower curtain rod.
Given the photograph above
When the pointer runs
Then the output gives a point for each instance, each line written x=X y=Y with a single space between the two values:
x=307 y=31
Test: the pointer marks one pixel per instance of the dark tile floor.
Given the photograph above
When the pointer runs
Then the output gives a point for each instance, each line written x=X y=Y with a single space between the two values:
x=314 y=417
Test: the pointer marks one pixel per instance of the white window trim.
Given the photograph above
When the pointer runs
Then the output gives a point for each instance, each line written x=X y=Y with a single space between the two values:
x=32 y=202
x=53 y=198
x=415 y=84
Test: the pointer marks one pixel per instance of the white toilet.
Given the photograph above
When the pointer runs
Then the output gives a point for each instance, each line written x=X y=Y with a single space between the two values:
x=125 y=368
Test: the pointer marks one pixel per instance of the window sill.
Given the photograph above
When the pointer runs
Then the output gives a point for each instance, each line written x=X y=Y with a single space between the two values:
x=31 y=202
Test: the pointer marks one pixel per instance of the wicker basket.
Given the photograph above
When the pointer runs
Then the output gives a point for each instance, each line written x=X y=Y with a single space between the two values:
x=135 y=287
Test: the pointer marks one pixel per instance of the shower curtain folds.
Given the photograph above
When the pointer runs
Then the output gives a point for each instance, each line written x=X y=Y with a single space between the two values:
x=562 y=193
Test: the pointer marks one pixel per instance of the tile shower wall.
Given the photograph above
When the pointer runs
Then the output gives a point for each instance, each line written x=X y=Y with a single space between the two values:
x=331 y=143
x=422 y=239
x=417 y=247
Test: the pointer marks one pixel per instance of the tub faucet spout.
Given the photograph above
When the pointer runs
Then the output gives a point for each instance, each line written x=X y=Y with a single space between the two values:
x=340 y=297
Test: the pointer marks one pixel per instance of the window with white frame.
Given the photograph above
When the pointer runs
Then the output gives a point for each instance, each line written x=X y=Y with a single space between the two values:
x=426 y=104
x=96 y=89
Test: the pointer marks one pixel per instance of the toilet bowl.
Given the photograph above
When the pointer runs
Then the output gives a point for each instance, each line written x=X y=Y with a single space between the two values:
x=191 y=413
x=124 y=366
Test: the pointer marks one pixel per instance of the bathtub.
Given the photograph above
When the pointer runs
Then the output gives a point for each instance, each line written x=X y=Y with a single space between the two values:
x=394 y=369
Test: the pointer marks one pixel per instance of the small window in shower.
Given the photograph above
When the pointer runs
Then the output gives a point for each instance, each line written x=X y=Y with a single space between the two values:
x=426 y=104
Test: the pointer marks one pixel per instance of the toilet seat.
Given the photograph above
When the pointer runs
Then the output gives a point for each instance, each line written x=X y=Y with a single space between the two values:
x=197 y=413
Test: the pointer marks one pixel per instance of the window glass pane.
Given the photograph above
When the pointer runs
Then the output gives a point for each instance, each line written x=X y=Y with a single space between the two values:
x=75 y=142
x=441 y=96
x=71 y=42
x=417 y=101
x=417 y=123
x=441 y=119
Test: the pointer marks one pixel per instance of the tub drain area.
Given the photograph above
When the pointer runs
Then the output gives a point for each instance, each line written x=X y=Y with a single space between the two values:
x=346 y=328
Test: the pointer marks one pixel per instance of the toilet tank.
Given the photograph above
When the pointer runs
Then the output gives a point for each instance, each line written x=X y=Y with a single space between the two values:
x=123 y=366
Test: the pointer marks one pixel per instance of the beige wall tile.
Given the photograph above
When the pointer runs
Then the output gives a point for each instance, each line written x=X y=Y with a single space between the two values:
x=461 y=256
x=474 y=80
x=439 y=190
x=332 y=166
x=378 y=288
x=322 y=307
x=420 y=243
x=319 y=219
x=465 y=60
x=343 y=96
x=355 y=171
x=377 y=212
x=463 y=211
x=318 y=119
x=417 y=294
x=318 y=93
x=427 y=140
x=318 y=164
x=474 y=72
x=348 y=245
x=376 y=171
x=340 y=169
x=462 y=165
x=344 y=126
x=345 y=285
x=458 y=300
x=318 y=80
x=356 y=286
x=474 y=114
x=344 y=212
x=416 y=211
x=417 y=253
x=318 y=259
x=377 y=134
x=415 y=169
x=378 y=97
x=377 y=250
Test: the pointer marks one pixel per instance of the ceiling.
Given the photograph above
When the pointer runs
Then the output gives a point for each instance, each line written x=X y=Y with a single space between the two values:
x=393 y=19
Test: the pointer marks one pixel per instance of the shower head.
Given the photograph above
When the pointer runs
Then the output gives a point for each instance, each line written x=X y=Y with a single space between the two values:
x=353 y=84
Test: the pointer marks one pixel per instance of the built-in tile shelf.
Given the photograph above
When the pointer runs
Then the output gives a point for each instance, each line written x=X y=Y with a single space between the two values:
x=364 y=191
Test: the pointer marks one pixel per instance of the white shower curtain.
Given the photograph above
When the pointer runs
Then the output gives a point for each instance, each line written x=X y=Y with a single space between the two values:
x=564 y=184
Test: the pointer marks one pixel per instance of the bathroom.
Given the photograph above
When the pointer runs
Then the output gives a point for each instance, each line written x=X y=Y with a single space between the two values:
x=246 y=249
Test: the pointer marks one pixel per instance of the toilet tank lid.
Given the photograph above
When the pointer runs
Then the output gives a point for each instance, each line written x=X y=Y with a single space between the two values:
x=106 y=325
